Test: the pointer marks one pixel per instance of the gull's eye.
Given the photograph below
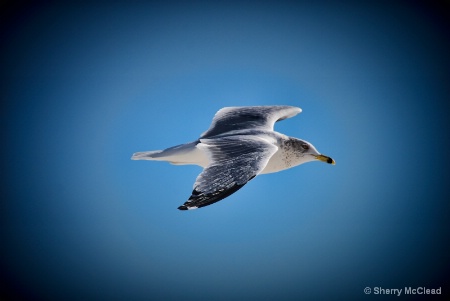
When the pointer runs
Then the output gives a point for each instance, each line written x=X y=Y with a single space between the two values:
x=305 y=146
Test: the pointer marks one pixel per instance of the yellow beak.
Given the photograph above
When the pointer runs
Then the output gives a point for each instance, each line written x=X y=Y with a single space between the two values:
x=325 y=159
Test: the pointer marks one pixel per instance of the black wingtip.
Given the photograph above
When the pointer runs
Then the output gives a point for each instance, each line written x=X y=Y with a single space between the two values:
x=182 y=207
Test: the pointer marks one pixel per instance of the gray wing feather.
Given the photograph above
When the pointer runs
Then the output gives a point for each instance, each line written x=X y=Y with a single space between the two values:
x=240 y=118
x=234 y=161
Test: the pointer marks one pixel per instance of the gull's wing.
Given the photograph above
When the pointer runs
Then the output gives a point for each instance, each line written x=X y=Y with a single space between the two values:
x=240 y=118
x=233 y=161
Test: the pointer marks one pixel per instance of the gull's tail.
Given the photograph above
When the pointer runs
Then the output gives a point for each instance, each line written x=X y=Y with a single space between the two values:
x=179 y=155
x=151 y=155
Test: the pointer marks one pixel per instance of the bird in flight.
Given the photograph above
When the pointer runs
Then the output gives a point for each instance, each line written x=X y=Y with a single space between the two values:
x=239 y=145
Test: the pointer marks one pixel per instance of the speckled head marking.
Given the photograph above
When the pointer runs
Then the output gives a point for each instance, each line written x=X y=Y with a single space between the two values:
x=297 y=146
x=297 y=151
x=293 y=151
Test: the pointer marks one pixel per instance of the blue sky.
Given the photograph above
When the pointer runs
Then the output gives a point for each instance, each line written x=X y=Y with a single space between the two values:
x=85 y=86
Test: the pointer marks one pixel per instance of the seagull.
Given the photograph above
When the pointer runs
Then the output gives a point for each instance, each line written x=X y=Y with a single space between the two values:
x=239 y=145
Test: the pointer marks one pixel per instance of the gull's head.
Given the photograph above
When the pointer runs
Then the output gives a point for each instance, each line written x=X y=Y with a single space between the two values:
x=309 y=151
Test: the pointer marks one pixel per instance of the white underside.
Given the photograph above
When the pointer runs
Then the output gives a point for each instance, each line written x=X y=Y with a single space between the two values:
x=195 y=154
